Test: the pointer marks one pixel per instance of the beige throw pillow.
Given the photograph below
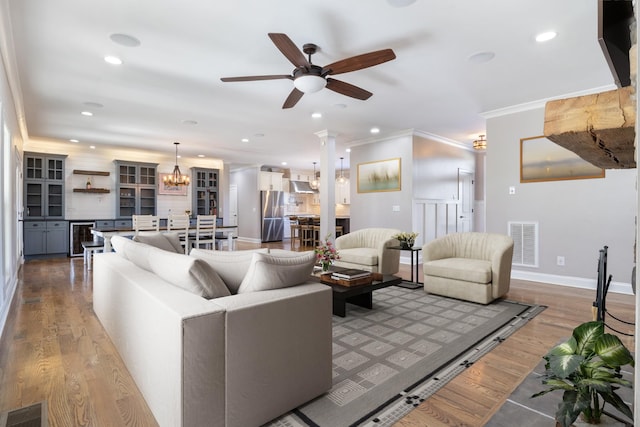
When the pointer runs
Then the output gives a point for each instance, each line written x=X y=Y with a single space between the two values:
x=166 y=241
x=188 y=273
x=274 y=272
x=230 y=266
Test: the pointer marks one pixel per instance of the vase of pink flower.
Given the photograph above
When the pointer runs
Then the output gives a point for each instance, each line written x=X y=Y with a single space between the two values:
x=326 y=253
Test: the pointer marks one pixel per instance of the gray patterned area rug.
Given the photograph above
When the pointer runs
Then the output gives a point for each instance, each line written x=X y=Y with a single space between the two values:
x=389 y=359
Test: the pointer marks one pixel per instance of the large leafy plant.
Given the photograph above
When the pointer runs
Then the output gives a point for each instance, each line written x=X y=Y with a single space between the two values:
x=587 y=369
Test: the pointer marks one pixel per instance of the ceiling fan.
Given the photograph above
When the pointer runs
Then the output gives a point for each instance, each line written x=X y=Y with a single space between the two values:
x=308 y=77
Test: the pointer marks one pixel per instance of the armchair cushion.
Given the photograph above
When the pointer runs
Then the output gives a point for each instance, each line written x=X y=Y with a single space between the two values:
x=470 y=270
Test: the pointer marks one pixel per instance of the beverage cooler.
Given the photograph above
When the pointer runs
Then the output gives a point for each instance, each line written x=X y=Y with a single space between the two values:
x=79 y=232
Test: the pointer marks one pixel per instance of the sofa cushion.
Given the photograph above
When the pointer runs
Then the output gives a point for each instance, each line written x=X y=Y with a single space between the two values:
x=165 y=241
x=465 y=269
x=285 y=253
x=230 y=266
x=362 y=256
x=191 y=274
x=274 y=272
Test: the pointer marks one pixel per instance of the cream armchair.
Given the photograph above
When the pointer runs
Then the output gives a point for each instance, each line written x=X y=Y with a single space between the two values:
x=469 y=266
x=367 y=249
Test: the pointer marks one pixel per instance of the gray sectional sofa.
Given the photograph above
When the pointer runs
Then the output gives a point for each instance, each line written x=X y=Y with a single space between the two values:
x=240 y=359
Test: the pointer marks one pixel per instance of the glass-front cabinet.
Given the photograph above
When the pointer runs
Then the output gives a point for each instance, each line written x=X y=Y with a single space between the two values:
x=205 y=191
x=136 y=186
x=43 y=186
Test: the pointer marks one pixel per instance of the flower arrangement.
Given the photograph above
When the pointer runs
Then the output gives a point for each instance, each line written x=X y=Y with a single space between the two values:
x=326 y=253
x=406 y=238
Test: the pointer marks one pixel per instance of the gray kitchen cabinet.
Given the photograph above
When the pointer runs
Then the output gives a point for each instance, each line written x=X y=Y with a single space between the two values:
x=45 y=237
x=204 y=191
x=44 y=178
x=136 y=187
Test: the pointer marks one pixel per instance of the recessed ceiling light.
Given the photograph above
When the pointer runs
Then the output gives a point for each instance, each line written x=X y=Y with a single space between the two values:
x=245 y=139
x=375 y=130
x=201 y=155
x=125 y=40
x=87 y=113
x=93 y=147
x=284 y=163
x=348 y=150
x=73 y=140
x=546 y=36
x=316 y=115
x=481 y=57
x=189 y=122
x=113 y=60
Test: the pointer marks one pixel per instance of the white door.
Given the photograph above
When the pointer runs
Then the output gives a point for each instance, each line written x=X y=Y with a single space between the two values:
x=465 y=199
x=233 y=204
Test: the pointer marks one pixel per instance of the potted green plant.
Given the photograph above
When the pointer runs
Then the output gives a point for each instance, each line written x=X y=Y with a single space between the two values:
x=587 y=368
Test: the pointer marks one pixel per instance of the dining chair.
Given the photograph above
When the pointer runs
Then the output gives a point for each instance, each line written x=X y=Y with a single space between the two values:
x=205 y=231
x=145 y=223
x=180 y=224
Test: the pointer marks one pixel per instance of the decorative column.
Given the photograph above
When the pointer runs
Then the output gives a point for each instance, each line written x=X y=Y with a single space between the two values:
x=327 y=183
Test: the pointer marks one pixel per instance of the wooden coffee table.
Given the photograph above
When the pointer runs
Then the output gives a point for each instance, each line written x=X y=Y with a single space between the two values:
x=360 y=295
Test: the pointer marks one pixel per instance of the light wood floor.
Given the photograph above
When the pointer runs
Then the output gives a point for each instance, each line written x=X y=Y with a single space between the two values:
x=55 y=349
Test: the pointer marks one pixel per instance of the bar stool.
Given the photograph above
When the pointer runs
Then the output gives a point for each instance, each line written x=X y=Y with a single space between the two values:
x=307 y=235
x=90 y=247
x=295 y=229
x=339 y=230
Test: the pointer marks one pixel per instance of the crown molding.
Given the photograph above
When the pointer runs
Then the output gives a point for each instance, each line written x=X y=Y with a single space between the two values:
x=519 y=108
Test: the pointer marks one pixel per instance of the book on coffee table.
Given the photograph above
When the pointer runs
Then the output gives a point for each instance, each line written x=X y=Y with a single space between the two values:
x=349 y=273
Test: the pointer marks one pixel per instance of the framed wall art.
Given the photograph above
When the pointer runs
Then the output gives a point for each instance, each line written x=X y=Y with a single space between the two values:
x=381 y=175
x=543 y=160
x=171 y=190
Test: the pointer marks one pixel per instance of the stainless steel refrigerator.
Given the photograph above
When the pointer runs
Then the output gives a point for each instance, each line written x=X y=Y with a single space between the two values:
x=272 y=208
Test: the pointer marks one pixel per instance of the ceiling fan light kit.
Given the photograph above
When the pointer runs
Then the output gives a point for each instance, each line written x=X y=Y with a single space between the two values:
x=309 y=78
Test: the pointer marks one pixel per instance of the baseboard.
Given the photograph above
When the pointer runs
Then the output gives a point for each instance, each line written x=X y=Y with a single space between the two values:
x=4 y=310
x=249 y=240
x=574 y=282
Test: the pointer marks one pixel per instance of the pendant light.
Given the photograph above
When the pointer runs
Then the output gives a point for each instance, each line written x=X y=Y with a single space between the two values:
x=480 y=144
x=314 y=184
x=341 y=180
x=176 y=178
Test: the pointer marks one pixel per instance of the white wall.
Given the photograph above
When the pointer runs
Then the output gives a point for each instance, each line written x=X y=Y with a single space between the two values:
x=576 y=217
x=249 y=225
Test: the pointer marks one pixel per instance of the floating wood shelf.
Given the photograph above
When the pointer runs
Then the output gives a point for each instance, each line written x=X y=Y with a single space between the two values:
x=82 y=172
x=91 y=190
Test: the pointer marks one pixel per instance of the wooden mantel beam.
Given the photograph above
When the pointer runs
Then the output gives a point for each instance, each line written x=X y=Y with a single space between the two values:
x=600 y=128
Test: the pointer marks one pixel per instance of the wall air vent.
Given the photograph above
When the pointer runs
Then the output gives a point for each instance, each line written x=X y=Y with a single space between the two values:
x=525 y=243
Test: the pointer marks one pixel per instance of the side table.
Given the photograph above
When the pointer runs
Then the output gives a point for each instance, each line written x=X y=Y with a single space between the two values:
x=415 y=283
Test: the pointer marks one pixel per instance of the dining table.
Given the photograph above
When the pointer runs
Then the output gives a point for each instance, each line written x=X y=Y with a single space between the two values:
x=106 y=233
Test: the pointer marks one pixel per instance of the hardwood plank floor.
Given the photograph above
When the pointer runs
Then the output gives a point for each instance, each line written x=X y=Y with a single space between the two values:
x=54 y=349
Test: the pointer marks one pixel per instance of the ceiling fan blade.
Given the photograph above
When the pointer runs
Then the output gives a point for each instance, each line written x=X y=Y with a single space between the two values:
x=348 y=89
x=293 y=98
x=252 y=78
x=289 y=49
x=359 y=62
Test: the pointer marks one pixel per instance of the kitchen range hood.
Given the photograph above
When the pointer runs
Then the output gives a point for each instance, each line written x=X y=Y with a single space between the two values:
x=301 y=187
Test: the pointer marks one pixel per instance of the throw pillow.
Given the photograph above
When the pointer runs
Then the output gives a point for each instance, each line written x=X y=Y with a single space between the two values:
x=158 y=240
x=230 y=266
x=137 y=253
x=275 y=272
x=188 y=273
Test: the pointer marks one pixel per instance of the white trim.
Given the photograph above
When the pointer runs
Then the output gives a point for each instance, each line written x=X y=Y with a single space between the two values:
x=570 y=281
x=526 y=106
x=249 y=240
x=4 y=310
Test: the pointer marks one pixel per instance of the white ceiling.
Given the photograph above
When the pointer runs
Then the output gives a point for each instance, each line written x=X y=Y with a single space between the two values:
x=188 y=45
